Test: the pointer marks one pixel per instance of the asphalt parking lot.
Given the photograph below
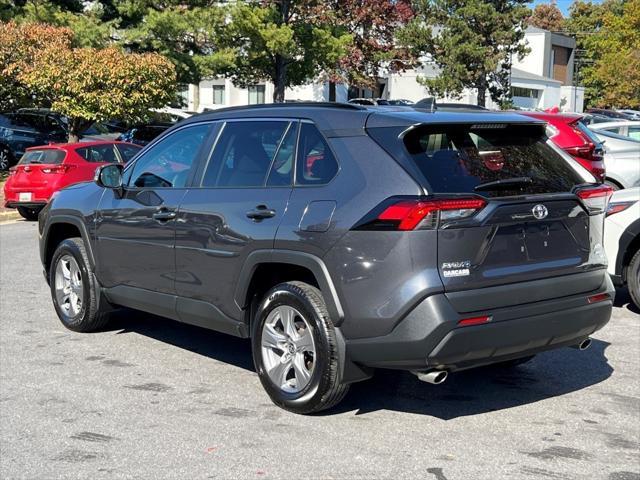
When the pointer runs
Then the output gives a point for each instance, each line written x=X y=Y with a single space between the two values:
x=151 y=398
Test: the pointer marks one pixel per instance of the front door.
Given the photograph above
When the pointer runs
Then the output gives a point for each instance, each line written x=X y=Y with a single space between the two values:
x=135 y=230
x=235 y=208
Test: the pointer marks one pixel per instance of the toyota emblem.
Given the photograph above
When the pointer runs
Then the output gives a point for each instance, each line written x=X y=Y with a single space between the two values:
x=540 y=211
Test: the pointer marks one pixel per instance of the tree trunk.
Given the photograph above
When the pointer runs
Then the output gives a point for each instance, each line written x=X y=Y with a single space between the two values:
x=196 y=96
x=75 y=129
x=482 y=94
x=280 y=79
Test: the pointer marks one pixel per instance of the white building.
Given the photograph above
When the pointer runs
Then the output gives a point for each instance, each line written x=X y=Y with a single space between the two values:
x=543 y=79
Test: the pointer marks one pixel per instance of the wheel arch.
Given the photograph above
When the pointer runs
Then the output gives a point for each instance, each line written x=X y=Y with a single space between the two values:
x=288 y=263
x=60 y=228
x=628 y=244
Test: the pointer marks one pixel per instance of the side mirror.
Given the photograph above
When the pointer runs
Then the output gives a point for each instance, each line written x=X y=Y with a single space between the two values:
x=110 y=176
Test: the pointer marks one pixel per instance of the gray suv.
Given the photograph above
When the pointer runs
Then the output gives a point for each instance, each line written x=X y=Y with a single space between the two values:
x=341 y=239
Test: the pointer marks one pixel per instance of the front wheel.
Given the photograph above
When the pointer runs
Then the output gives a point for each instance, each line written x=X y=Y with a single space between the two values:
x=29 y=213
x=295 y=350
x=633 y=279
x=74 y=290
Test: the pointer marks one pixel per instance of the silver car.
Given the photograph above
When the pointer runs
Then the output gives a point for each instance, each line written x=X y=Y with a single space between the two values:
x=621 y=159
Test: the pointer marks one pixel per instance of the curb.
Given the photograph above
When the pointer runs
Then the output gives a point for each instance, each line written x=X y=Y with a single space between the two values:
x=9 y=216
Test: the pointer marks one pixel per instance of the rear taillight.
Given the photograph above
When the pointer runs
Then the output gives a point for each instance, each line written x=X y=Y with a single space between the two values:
x=57 y=169
x=595 y=198
x=12 y=171
x=417 y=214
x=618 y=207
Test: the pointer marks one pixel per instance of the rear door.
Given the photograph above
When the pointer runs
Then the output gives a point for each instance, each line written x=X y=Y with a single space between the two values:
x=528 y=223
x=235 y=208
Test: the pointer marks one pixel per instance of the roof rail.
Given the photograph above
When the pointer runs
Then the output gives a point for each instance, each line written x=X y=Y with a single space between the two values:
x=348 y=106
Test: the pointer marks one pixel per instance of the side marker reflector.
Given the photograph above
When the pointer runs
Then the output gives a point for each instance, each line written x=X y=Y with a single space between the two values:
x=465 y=322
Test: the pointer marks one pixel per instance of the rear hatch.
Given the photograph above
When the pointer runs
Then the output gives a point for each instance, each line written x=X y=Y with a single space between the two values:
x=37 y=168
x=507 y=206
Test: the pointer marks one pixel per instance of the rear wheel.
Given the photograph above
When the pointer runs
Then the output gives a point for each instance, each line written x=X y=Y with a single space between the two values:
x=29 y=213
x=74 y=290
x=633 y=279
x=6 y=158
x=295 y=349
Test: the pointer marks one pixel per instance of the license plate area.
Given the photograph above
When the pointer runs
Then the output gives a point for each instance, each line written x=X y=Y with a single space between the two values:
x=25 y=196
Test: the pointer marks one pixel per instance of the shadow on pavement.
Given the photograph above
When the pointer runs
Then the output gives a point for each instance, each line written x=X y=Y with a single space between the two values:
x=623 y=300
x=470 y=392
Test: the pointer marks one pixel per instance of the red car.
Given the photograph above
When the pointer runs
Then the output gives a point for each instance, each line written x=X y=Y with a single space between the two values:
x=570 y=134
x=44 y=170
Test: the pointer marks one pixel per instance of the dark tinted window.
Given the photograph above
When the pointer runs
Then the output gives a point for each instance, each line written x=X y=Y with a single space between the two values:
x=98 y=153
x=168 y=163
x=458 y=158
x=243 y=154
x=47 y=156
x=127 y=152
x=282 y=167
x=316 y=163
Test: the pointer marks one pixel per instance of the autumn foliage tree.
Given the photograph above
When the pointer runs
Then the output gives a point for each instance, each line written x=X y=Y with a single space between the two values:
x=84 y=84
x=547 y=16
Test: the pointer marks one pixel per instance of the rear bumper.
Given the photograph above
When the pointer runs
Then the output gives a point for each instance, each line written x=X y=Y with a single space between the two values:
x=33 y=204
x=429 y=336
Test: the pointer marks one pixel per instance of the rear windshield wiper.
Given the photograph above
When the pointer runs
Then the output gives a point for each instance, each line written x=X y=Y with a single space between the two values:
x=504 y=183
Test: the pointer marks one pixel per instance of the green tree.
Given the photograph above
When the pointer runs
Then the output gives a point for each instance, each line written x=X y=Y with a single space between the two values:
x=471 y=43
x=284 y=41
x=547 y=16
x=88 y=84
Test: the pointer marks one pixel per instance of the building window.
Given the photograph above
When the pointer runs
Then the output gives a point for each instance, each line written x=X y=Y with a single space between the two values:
x=524 y=92
x=256 y=94
x=218 y=94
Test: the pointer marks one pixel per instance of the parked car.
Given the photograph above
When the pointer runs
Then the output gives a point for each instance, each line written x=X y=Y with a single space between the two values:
x=19 y=131
x=143 y=134
x=569 y=133
x=622 y=240
x=44 y=170
x=634 y=114
x=429 y=242
x=613 y=114
x=593 y=118
x=176 y=114
x=621 y=159
x=629 y=129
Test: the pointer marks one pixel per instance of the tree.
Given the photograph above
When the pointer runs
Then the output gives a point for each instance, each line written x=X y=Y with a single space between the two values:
x=285 y=41
x=607 y=51
x=88 y=84
x=472 y=44
x=547 y=16
x=372 y=24
x=19 y=45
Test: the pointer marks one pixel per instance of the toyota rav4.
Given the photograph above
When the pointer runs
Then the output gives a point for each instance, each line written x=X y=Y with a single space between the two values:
x=341 y=239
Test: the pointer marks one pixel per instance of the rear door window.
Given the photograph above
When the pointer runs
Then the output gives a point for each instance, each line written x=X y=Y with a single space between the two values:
x=98 y=153
x=245 y=153
x=459 y=158
x=48 y=156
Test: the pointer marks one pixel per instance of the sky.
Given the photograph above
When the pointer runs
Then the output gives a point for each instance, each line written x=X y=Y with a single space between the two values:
x=563 y=5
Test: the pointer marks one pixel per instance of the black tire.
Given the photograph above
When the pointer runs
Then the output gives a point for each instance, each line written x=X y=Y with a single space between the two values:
x=633 y=280
x=324 y=389
x=93 y=314
x=6 y=158
x=29 y=213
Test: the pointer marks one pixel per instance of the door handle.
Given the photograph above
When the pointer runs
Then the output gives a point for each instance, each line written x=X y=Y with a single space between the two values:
x=164 y=215
x=261 y=212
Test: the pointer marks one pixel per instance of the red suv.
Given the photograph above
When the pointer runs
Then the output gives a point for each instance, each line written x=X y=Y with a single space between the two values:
x=571 y=135
x=44 y=170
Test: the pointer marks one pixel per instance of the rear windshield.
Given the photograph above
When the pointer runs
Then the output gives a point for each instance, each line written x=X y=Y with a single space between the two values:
x=463 y=158
x=47 y=156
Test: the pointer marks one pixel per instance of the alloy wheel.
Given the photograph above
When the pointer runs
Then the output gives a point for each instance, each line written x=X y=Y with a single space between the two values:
x=288 y=349
x=68 y=285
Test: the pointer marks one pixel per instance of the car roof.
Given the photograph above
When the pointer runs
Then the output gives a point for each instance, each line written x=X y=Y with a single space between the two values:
x=345 y=119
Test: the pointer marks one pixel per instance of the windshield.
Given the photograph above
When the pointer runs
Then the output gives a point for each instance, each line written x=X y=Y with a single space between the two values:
x=459 y=158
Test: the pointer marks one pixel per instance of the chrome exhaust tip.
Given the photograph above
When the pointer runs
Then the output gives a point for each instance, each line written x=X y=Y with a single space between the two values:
x=583 y=345
x=436 y=377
